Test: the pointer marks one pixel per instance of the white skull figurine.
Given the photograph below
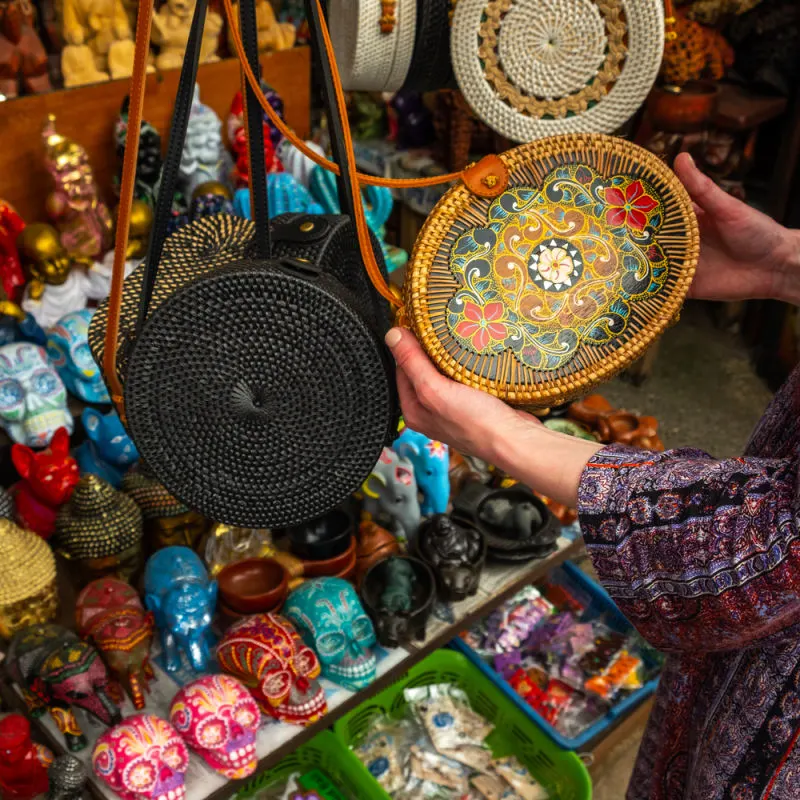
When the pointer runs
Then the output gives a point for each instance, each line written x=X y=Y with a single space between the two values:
x=33 y=399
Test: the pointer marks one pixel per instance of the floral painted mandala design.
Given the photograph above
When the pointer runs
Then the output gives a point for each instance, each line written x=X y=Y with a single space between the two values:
x=557 y=268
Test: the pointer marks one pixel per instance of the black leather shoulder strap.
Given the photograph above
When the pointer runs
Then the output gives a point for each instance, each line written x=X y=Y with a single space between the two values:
x=177 y=138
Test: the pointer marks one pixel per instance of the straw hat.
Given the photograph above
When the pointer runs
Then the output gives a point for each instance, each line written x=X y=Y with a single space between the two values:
x=534 y=68
x=373 y=42
x=27 y=581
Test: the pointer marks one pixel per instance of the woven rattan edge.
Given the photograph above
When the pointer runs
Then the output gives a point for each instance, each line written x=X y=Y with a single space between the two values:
x=560 y=390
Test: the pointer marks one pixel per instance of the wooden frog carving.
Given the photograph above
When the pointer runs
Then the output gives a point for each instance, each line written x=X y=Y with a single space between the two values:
x=56 y=671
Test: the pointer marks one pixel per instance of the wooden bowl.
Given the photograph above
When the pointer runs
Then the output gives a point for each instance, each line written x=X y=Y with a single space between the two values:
x=253 y=586
x=689 y=109
x=332 y=566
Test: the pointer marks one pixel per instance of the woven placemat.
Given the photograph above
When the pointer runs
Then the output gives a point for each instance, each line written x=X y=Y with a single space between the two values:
x=561 y=281
x=372 y=57
x=534 y=68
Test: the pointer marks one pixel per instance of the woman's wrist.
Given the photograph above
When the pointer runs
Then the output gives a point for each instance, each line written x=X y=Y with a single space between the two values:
x=548 y=462
x=788 y=263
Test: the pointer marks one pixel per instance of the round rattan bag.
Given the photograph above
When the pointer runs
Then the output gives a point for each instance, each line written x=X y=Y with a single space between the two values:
x=559 y=281
x=534 y=68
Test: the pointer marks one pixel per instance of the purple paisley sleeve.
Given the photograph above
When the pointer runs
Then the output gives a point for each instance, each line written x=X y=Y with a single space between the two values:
x=700 y=554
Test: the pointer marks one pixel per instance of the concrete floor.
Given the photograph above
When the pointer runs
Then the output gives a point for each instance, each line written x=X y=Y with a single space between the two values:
x=705 y=394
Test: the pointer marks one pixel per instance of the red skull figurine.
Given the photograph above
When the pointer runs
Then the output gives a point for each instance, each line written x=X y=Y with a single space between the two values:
x=267 y=654
x=109 y=612
x=23 y=764
x=48 y=478
x=142 y=758
x=219 y=720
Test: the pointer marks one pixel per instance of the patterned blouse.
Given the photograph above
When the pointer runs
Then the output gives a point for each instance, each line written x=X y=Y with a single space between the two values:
x=703 y=556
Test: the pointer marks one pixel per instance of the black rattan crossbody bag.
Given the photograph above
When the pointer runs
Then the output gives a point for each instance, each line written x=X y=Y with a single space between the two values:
x=249 y=362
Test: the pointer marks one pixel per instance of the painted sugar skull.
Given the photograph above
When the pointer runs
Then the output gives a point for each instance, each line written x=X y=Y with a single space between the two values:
x=330 y=617
x=110 y=614
x=143 y=757
x=266 y=653
x=33 y=400
x=56 y=670
x=182 y=598
x=218 y=719
x=68 y=348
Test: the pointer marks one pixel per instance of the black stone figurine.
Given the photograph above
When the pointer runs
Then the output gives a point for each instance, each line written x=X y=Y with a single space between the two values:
x=455 y=552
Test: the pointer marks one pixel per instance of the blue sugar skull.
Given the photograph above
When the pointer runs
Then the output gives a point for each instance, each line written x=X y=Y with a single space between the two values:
x=108 y=451
x=431 y=460
x=285 y=195
x=33 y=400
x=68 y=348
x=181 y=596
x=331 y=619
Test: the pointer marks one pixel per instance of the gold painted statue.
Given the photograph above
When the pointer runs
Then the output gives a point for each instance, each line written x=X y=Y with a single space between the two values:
x=272 y=35
x=171 y=26
x=98 y=41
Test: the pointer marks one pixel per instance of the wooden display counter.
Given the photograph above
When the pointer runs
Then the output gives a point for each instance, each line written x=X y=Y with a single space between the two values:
x=88 y=114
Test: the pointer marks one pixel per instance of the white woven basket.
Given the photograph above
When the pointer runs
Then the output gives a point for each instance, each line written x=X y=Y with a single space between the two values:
x=370 y=60
x=536 y=68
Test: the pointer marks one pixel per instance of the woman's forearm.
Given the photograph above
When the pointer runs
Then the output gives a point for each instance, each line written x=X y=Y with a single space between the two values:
x=548 y=462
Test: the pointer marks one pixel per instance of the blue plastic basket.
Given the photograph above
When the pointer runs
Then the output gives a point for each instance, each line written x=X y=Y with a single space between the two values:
x=598 y=603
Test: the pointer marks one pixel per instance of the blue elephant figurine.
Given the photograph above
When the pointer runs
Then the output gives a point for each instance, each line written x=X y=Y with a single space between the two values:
x=285 y=196
x=108 y=452
x=378 y=203
x=182 y=597
x=68 y=349
x=391 y=496
x=431 y=462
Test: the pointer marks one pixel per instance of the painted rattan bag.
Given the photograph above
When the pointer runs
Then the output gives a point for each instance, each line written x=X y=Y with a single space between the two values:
x=561 y=279
x=534 y=68
x=247 y=356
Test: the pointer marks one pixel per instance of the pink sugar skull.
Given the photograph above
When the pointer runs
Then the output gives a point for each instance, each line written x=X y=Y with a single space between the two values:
x=142 y=758
x=218 y=719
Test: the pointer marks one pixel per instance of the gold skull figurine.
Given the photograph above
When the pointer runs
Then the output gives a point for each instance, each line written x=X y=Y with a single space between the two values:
x=44 y=257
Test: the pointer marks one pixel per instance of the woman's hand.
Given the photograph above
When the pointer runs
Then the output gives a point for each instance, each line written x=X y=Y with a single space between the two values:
x=480 y=425
x=467 y=419
x=744 y=254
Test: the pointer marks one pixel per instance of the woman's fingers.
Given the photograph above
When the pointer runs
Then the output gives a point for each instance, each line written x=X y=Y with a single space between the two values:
x=704 y=192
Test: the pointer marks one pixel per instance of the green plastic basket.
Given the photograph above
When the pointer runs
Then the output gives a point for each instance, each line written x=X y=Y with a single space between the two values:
x=324 y=752
x=561 y=772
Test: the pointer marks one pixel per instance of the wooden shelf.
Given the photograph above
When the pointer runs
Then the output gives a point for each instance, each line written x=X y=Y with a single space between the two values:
x=88 y=114
x=279 y=740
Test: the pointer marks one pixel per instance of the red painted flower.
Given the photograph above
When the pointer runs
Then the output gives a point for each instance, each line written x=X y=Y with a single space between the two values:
x=629 y=209
x=481 y=325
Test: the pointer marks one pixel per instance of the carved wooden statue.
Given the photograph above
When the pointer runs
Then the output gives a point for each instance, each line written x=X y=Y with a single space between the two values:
x=23 y=59
x=170 y=32
x=99 y=42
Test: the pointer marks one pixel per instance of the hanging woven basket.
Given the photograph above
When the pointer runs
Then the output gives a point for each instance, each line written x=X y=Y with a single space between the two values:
x=559 y=281
x=373 y=41
x=535 y=68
